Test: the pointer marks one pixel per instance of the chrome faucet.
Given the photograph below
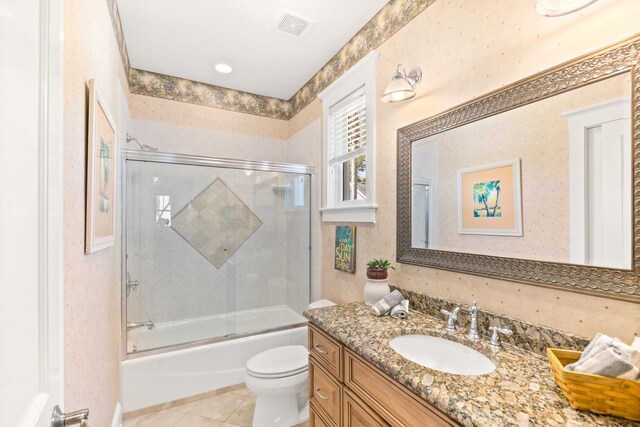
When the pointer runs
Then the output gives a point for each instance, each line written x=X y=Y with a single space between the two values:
x=452 y=317
x=473 y=333
x=132 y=325
x=494 y=342
x=132 y=285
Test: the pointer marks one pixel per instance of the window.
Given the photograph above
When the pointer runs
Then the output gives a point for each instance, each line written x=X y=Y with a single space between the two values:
x=296 y=193
x=349 y=163
x=163 y=210
x=347 y=146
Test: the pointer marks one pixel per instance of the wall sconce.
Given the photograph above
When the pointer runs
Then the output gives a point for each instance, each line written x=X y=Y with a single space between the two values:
x=402 y=86
x=560 y=7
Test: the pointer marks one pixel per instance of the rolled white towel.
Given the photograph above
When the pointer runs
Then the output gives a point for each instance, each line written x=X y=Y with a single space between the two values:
x=400 y=311
x=599 y=343
x=383 y=306
x=609 y=357
x=610 y=362
x=632 y=352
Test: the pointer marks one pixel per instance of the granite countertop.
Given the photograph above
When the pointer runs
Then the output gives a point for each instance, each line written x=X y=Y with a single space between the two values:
x=520 y=392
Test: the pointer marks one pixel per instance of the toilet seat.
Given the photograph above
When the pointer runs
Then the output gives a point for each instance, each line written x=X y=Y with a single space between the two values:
x=279 y=362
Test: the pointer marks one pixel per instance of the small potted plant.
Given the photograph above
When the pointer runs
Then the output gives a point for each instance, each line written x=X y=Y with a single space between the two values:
x=376 y=287
x=377 y=269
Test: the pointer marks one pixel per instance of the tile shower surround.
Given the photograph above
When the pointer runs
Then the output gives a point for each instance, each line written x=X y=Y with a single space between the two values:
x=177 y=282
x=216 y=223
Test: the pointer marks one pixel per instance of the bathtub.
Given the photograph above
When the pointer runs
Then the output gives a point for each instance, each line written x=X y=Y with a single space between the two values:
x=172 y=372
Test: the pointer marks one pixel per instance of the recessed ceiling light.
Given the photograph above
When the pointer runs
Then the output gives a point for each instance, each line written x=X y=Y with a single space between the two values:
x=223 y=68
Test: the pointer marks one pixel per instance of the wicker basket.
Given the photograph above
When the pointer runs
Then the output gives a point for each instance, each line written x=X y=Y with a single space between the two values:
x=595 y=393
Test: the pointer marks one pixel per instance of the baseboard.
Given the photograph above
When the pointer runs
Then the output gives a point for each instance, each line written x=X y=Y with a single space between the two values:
x=117 y=416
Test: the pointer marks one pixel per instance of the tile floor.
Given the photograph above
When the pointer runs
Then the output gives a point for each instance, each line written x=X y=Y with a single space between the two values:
x=231 y=409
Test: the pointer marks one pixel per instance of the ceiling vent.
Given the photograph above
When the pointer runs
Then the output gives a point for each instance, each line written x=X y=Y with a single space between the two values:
x=292 y=25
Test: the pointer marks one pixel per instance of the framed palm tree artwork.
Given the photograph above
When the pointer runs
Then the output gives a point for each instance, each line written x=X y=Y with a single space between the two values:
x=100 y=216
x=489 y=199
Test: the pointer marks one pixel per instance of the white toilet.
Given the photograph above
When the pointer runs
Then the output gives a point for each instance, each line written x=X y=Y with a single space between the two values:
x=278 y=377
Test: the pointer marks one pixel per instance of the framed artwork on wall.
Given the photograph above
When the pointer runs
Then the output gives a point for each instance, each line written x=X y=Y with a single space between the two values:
x=489 y=199
x=345 y=252
x=100 y=220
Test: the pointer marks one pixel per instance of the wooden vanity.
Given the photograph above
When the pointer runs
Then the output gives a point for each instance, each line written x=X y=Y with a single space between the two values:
x=346 y=390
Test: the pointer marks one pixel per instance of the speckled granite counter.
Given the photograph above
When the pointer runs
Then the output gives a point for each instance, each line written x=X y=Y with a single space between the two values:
x=520 y=392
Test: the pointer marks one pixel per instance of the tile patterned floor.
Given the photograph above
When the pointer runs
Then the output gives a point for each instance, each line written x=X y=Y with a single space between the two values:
x=231 y=409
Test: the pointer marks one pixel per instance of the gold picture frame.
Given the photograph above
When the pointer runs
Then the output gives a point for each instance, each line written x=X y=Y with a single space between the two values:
x=100 y=221
x=489 y=200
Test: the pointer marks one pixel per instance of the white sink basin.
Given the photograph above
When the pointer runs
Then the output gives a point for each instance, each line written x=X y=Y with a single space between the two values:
x=442 y=355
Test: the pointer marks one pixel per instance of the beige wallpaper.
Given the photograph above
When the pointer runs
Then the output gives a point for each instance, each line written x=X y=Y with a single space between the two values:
x=180 y=113
x=537 y=135
x=91 y=294
x=465 y=51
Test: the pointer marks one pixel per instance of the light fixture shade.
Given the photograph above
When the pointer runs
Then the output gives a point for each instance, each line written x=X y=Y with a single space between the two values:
x=398 y=90
x=402 y=86
x=560 y=7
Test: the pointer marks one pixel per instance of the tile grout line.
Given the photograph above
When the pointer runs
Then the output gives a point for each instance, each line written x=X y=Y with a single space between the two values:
x=235 y=409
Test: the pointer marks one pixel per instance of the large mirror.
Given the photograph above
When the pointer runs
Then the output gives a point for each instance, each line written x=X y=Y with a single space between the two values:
x=537 y=182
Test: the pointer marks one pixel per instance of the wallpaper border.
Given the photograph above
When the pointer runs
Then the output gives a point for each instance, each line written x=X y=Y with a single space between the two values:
x=388 y=21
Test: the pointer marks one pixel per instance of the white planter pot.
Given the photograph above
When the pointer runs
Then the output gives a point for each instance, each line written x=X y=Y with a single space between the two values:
x=375 y=290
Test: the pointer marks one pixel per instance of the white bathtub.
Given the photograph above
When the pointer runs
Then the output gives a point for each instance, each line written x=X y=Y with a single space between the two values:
x=176 y=374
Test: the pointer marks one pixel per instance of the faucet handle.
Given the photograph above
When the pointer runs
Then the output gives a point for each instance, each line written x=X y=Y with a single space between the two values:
x=473 y=308
x=451 y=314
x=473 y=334
x=452 y=317
x=494 y=342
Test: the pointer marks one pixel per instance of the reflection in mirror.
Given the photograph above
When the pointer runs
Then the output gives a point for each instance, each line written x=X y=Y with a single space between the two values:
x=570 y=185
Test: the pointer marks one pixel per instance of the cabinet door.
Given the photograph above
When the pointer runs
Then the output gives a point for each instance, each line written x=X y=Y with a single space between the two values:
x=398 y=406
x=356 y=413
x=324 y=391
x=315 y=420
x=327 y=351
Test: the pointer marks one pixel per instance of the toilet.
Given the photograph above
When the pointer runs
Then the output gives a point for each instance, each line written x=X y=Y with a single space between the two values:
x=278 y=377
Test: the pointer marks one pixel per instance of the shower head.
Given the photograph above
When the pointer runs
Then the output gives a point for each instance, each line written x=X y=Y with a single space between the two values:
x=142 y=146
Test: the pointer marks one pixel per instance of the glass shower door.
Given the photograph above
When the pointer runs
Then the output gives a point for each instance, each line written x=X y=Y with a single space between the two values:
x=213 y=252
x=180 y=291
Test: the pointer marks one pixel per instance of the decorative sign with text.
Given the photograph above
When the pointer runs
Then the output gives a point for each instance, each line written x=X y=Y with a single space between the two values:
x=345 y=254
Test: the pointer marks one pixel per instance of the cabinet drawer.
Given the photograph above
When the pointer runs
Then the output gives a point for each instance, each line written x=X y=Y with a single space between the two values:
x=315 y=420
x=324 y=392
x=356 y=413
x=398 y=406
x=326 y=350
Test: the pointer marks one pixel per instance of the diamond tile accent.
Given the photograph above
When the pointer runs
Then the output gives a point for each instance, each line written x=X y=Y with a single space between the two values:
x=216 y=223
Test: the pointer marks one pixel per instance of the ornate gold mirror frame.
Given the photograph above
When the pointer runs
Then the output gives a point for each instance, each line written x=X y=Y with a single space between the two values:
x=605 y=282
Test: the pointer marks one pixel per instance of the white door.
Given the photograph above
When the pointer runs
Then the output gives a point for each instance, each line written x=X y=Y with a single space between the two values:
x=30 y=211
x=600 y=193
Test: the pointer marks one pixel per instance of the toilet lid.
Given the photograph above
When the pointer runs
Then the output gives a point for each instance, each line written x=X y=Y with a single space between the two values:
x=279 y=362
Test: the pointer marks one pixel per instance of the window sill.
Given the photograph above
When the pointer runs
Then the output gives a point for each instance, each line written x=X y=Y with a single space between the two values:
x=359 y=213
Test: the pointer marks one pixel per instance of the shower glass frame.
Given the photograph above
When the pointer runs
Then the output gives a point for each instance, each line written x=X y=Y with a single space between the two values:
x=207 y=161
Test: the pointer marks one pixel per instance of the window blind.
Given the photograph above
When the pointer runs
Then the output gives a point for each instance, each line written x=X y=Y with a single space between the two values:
x=348 y=128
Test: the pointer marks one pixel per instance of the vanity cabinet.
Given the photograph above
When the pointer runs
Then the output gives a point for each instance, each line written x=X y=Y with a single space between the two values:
x=345 y=390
